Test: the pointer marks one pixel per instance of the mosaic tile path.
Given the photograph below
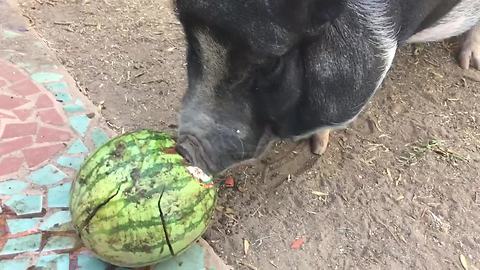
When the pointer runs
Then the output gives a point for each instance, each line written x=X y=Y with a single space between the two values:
x=47 y=129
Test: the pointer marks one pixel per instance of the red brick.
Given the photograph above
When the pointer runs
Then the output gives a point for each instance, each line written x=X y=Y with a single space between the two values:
x=10 y=73
x=44 y=102
x=22 y=114
x=25 y=88
x=36 y=155
x=10 y=165
x=19 y=130
x=51 y=116
x=6 y=116
x=46 y=134
x=15 y=145
x=10 y=102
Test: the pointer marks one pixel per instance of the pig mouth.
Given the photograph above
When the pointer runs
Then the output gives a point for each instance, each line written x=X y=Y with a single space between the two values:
x=192 y=151
x=197 y=153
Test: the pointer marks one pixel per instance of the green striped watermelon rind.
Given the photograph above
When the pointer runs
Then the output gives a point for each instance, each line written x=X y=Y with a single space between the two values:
x=117 y=201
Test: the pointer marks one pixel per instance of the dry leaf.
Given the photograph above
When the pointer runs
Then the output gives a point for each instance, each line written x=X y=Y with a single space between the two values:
x=246 y=246
x=320 y=194
x=464 y=262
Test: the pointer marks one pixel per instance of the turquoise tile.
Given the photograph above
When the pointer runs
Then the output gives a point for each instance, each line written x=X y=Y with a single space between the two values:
x=70 y=162
x=192 y=258
x=22 y=224
x=63 y=97
x=25 y=204
x=56 y=221
x=56 y=87
x=59 y=243
x=59 y=196
x=46 y=77
x=47 y=175
x=99 y=137
x=77 y=147
x=22 y=244
x=56 y=261
x=17 y=264
x=88 y=262
x=76 y=107
x=10 y=187
x=79 y=123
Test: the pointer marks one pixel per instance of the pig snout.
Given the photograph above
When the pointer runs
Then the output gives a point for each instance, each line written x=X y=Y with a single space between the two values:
x=186 y=146
x=211 y=151
x=216 y=144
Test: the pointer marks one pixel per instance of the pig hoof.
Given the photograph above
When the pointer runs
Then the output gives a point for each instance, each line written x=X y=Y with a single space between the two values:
x=470 y=52
x=319 y=142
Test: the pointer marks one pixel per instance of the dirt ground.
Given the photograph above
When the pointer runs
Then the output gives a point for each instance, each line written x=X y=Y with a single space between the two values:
x=399 y=189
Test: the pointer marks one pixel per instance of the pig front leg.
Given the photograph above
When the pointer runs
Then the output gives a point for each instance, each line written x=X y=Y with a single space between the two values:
x=319 y=142
x=470 y=52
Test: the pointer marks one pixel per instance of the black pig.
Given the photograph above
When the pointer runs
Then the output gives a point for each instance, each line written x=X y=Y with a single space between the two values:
x=260 y=69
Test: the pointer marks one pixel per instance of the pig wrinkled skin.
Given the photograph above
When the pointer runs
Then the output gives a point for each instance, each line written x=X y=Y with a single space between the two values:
x=265 y=69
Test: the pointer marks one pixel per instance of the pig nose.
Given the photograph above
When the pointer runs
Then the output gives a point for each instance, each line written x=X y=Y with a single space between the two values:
x=186 y=148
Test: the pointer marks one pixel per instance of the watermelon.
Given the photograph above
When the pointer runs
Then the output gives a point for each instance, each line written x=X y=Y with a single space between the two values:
x=135 y=202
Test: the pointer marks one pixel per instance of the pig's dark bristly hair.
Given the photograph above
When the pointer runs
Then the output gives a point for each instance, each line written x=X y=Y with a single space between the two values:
x=297 y=66
x=294 y=67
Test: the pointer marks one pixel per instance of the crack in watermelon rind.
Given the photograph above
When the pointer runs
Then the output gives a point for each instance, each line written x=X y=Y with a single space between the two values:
x=204 y=219
x=164 y=225
x=205 y=197
x=85 y=224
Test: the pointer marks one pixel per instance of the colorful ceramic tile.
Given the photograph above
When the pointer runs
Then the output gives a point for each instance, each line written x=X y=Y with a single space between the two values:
x=99 y=137
x=76 y=107
x=16 y=264
x=56 y=87
x=63 y=97
x=55 y=261
x=89 y=262
x=22 y=244
x=59 y=243
x=47 y=175
x=10 y=187
x=45 y=77
x=59 y=196
x=77 y=147
x=25 y=204
x=192 y=258
x=79 y=123
x=70 y=162
x=56 y=221
x=22 y=224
